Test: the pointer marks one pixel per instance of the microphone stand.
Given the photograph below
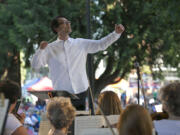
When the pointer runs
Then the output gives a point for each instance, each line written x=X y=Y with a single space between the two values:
x=138 y=82
x=91 y=99
x=90 y=61
x=136 y=64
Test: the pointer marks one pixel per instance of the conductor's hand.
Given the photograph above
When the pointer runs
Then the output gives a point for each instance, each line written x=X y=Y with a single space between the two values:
x=43 y=44
x=119 y=28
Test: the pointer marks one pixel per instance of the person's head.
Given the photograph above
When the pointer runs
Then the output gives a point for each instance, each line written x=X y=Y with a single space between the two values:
x=60 y=112
x=109 y=103
x=135 y=120
x=61 y=25
x=11 y=90
x=170 y=98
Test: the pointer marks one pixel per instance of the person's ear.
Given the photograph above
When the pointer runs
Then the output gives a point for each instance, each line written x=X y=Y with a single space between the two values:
x=56 y=29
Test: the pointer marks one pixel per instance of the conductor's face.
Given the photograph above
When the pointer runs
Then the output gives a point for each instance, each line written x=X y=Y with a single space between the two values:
x=64 y=26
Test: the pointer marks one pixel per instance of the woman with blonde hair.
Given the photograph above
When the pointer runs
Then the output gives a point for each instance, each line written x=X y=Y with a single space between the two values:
x=135 y=120
x=60 y=113
x=109 y=103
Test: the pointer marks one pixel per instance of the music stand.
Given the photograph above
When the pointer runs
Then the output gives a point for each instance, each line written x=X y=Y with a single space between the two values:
x=46 y=94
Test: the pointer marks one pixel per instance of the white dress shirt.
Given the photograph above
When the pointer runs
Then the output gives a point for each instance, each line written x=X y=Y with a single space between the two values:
x=67 y=61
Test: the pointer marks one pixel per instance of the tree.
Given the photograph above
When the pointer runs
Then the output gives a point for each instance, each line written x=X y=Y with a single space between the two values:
x=9 y=56
x=24 y=23
x=146 y=38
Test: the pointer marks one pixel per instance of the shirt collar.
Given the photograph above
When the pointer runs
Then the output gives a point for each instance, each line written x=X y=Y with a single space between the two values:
x=59 y=40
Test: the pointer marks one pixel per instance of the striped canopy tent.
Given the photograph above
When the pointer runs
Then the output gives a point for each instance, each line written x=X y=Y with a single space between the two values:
x=42 y=85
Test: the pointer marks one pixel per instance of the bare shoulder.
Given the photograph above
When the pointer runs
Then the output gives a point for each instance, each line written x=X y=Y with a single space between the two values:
x=20 y=131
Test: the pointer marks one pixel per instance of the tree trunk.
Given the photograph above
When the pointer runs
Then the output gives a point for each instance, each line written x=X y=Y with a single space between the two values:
x=12 y=70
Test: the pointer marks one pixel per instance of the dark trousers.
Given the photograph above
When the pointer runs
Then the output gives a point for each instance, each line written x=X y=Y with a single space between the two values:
x=80 y=104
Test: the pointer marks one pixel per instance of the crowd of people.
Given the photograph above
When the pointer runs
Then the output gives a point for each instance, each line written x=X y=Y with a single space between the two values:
x=133 y=120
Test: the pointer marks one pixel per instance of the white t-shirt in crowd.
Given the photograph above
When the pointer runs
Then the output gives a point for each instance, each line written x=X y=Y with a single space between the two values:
x=167 y=127
x=12 y=124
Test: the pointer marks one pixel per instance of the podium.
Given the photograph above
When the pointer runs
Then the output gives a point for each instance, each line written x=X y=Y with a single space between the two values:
x=46 y=94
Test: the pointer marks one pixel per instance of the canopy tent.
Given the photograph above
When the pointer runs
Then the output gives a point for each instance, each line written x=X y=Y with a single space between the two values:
x=118 y=88
x=44 y=84
x=30 y=83
x=122 y=85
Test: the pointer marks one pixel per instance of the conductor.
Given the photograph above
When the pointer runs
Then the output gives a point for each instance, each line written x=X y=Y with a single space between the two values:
x=66 y=58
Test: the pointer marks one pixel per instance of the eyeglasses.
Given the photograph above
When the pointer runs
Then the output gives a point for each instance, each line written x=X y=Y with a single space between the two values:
x=64 y=22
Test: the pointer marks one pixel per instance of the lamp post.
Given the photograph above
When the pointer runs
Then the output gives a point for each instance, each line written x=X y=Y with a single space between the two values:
x=138 y=79
x=90 y=60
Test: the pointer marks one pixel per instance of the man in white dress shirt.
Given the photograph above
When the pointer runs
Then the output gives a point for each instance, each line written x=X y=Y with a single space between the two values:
x=66 y=58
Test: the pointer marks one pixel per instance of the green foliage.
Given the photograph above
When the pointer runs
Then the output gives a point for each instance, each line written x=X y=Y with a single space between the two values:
x=24 y=23
x=152 y=30
x=152 y=33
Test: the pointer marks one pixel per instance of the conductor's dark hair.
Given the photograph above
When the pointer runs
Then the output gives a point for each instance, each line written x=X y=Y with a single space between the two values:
x=11 y=90
x=55 y=24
